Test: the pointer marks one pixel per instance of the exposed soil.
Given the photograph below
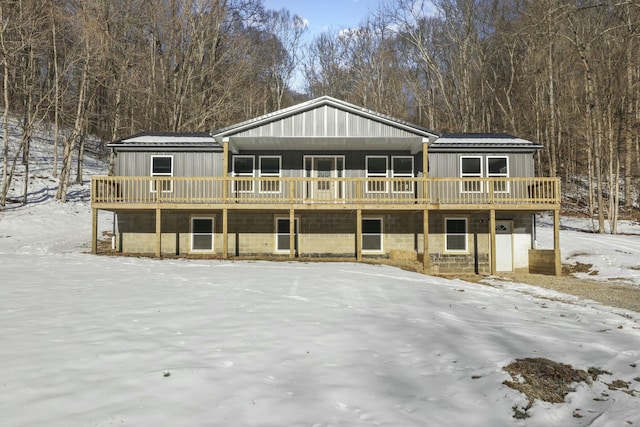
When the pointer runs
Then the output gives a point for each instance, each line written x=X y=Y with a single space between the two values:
x=611 y=293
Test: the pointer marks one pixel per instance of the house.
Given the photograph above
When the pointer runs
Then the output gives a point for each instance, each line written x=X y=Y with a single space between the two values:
x=326 y=178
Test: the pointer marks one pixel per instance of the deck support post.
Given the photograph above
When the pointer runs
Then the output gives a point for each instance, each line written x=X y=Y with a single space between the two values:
x=158 y=232
x=94 y=231
x=225 y=233
x=359 y=234
x=292 y=234
x=492 y=239
x=556 y=242
x=426 y=261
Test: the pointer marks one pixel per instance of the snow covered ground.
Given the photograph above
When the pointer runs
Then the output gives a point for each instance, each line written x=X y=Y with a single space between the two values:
x=96 y=341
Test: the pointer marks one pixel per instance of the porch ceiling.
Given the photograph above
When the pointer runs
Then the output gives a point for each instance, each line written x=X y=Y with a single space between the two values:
x=337 y=144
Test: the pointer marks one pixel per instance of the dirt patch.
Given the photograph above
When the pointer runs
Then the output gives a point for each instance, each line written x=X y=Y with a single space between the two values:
x=543 y=379
x=611 y=293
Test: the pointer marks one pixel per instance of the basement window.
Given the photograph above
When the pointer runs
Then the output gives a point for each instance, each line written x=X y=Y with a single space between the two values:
x=283 y=234
x=201 y=234
x=372 y=235
x=456 y=235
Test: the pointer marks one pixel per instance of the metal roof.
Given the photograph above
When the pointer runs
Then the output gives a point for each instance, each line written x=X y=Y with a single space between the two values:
x=464 y=142
x=167 y=140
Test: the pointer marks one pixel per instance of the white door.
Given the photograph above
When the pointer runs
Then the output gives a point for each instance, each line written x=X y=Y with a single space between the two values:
x=324 y=167
x=504 y=245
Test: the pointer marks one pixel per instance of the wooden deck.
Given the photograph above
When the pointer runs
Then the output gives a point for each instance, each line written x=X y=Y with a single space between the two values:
x=114 y=193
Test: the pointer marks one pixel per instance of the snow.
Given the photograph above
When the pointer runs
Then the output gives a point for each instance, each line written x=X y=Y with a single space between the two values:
x=95 y=341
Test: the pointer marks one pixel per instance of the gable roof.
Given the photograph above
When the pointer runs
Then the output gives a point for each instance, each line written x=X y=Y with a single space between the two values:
x=324 y=123
x=185 y=141
x=482 y=142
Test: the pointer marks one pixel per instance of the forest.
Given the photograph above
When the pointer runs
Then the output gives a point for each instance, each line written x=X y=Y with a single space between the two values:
x=562 y=73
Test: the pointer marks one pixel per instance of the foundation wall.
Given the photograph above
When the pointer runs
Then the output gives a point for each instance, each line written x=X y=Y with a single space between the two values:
x=326 y=234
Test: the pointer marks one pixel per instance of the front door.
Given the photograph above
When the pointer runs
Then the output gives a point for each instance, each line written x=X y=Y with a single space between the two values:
x=504 y=245
x=324 y=167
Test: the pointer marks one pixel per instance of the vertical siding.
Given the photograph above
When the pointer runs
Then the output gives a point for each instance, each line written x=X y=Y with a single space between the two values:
x=448 y=164
x=184 y=163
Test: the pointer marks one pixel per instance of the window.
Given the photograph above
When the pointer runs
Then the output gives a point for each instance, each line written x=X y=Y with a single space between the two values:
x=270 y=167
x=471 y=167
x=498 y=167
x=456 y=235
x=162 y=166
x=282 y=234
x=201 y=234
x=243 y=167
x=376 y=168
x=402 y=167
x=372 y=235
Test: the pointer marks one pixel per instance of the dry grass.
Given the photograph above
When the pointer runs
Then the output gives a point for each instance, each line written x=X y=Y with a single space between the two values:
x=544 y=379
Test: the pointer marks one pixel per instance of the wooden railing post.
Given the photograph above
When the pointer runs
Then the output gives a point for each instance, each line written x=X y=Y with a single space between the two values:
x=292 y=190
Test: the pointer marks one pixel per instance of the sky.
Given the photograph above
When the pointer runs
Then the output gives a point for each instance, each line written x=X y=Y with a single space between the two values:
x=327 y=15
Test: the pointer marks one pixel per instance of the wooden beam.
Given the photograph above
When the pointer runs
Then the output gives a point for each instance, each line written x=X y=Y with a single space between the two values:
x=426 y=261
x=292 y=234
x=556 y=242
x=359 y=234
x=425 y=157
x=158 y=232
x=225 y=168
x=225 y=233
x=94 y=231
x=492 y=239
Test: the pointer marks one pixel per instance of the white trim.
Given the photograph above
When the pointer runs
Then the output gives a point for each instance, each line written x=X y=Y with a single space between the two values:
x=466 y=235
x=377 y=187
x=192 y=234
x=296 y=224
x=469 y=187
x=250 y=188
x=152 y=174
x=401 y=186
x=276 y=175
x=381 y=234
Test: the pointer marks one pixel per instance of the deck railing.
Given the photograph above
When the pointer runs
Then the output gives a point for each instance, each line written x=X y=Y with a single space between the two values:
x=368 y=191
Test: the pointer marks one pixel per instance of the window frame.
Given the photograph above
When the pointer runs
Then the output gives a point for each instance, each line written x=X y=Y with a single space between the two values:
x=296 y=225
x=380 y=234
x=269 y=190
x=496 y=188
x=169 y=188
x=401 y=186
x=468 y=186
x=383 y=188
x=447 y=233
x=240 y=189
x=192 y=234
